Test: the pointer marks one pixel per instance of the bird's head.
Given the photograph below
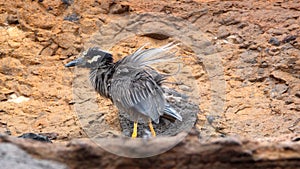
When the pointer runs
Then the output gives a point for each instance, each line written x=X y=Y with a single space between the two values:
x=91 y=58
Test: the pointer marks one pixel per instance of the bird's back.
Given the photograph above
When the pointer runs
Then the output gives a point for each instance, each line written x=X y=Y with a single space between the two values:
x=136 y=86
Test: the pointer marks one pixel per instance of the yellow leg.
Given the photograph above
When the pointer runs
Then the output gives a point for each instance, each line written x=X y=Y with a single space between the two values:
x=152 y=129
x=134 y=133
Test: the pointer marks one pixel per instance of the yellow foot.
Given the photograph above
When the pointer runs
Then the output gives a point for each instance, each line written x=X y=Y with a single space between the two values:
x=134 y=133
x=152 y=129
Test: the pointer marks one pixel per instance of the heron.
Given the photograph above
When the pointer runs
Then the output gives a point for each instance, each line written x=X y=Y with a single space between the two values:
x=131 y=83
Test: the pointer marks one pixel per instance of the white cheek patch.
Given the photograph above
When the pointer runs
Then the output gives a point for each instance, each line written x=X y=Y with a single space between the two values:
x=95 y=58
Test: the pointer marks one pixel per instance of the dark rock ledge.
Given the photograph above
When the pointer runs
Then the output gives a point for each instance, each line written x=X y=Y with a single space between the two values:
x=228 y=152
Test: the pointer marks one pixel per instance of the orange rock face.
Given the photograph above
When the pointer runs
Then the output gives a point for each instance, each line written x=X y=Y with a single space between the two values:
x=243 y=61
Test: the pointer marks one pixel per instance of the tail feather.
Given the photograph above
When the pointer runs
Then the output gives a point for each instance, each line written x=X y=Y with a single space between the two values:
x=171 y=114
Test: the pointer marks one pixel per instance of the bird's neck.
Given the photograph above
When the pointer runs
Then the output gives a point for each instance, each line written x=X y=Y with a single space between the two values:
x=101 y=79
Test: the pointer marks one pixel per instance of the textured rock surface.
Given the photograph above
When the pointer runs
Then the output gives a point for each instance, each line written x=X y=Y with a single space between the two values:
x=247 y=69
x=218 y=153
x=14 y=157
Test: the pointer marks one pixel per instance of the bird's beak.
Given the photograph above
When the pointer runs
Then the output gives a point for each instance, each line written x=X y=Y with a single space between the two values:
x=74 y=62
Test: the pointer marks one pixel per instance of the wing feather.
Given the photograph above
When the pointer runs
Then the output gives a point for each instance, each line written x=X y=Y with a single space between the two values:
x=147 y=57
x=136 y=86
x=138 y=92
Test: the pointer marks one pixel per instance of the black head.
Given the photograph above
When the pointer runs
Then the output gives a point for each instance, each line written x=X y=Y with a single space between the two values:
x=91 y=58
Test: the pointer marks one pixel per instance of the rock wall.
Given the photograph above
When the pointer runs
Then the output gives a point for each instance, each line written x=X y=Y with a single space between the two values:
x=247 y=74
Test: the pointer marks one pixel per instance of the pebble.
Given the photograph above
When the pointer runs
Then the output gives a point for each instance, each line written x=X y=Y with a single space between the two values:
x=72 y=18
x=273 y=51
x=236 y=39
x=281 y=88
x=289 y=38
x=36 y=137
x=210 y=119
x=298 y=94
x=274 y=41
x=15 y=99
x=12 y=19
x=67 y=2
x=185 y=88
x=264 y=64
x=242 y=25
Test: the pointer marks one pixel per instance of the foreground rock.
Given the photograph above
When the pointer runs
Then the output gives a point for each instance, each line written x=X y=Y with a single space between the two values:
x=191 y=153
x=12 y=156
